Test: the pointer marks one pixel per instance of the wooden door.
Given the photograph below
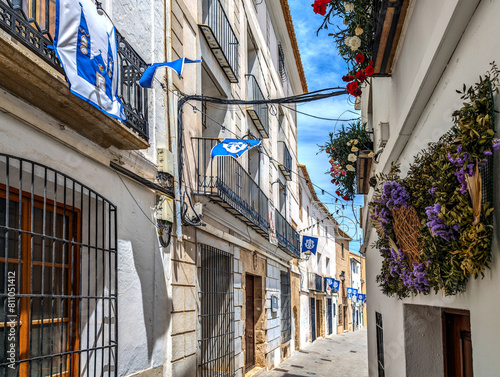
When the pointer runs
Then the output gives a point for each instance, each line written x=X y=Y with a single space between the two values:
x=457 y=344
x=329 y=315
x=249 y=324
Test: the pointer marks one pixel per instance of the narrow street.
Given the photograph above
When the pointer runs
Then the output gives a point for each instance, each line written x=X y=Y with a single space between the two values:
x=343 y=355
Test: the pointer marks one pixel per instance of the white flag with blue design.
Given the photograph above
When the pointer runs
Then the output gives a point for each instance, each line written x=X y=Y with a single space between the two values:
x=85 y=43
x=233 y=147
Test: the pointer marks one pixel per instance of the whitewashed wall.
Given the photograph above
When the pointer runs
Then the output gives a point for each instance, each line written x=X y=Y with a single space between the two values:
x=446 y=44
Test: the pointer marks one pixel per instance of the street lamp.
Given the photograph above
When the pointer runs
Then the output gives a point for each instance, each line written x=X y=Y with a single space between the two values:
x=307 y=255
x=342 y=276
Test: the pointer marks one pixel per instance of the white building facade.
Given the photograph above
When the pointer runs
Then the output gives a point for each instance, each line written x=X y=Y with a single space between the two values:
x=318 y=303
x=442 y=46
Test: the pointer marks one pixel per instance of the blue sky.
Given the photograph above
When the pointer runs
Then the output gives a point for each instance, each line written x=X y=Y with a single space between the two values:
x=324 y=69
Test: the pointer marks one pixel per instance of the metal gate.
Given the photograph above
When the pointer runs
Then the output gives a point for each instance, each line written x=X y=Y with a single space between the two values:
x=313 y=319
x=329 y=315
x=286 y=308
x=217 y=313
x=58 y=262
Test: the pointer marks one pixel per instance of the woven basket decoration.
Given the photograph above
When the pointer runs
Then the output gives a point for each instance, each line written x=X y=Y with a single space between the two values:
x=407 y=229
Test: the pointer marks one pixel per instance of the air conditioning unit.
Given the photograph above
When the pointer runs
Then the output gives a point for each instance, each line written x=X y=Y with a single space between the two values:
x=383 y=134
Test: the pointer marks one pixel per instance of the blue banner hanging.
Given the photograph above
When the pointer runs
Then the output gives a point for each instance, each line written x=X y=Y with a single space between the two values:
x=349 y=292
x=233 y=147
x=361 y=297
x=336 y=284
x=309 y=244
x=147 y=77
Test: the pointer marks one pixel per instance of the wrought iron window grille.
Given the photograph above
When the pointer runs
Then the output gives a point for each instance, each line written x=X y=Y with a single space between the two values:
x=286 y=308
x=58 y=255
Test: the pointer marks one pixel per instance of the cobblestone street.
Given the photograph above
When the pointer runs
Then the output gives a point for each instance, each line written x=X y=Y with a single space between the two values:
x=343 y=355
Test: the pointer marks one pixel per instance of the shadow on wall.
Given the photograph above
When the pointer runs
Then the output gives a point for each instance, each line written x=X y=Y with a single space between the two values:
x=141 y=264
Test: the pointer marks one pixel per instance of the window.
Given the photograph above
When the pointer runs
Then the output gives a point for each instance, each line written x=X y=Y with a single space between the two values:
x=281 y=64
x=326 y=233
x=317 y=223
x=318 y=262
x=286 y=310
x=308 y=217
x=300 y=203
x=45 y=266
x=380 y=344
x=58 y=249
x=343 y=256
x=327 y=265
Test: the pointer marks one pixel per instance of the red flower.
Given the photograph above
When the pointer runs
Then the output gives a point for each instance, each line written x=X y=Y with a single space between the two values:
x=348 y=78
x=360 y=58
x=356 y=92
x=369 y=70
x=344 y=172
x=319 y=7
x=352 y=86
x=371 y=62
x=337 y=192
x=360 y=75
x=345 y=197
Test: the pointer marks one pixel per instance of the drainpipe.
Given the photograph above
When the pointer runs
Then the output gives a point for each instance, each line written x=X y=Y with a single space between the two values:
x=172 y=121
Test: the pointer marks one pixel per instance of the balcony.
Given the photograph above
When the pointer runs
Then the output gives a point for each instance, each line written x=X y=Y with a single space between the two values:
x=227 y=183
x=316 y=282
x=285 y=159
x=220 y=37
x=388 y=19
x=258 y=113
x=30 y=70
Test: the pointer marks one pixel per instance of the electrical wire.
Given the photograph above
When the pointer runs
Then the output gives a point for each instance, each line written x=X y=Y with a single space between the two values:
x=321 y=118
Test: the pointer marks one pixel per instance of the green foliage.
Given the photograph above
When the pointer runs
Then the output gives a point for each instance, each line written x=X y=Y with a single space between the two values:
x=348 y=140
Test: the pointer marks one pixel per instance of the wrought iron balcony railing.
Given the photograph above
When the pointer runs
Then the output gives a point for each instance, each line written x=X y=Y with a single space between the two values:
x=285 y=159
x=221 y=38
x=287 y=236
x=258 y=113
x=225 y=181
x=32 y=22
x=316 y=282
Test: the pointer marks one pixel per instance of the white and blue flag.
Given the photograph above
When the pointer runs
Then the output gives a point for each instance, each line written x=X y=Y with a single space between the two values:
x=233 y=147
x=361 y=297
x=147 y=77
x=349 y=292
x=85 y=44
x=309 y=244
x=332 y=284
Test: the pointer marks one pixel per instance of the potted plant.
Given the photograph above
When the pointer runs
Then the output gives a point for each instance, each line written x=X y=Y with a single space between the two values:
x=343 y=148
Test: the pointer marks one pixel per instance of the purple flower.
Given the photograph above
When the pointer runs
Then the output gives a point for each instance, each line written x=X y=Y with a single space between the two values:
x=488 y=153
x=432 y=190
x=394 y=195
x=496 y=144
x=415 y=278
x=438 y=226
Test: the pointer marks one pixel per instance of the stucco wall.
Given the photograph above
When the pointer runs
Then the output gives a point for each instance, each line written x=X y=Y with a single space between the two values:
x=466 y=60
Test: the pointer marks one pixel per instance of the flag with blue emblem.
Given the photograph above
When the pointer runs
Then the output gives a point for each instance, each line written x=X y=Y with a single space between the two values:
x=355 y=292
x=147 y=77
x=309 y=244
x=331 y=283
x=336 y=284
x=361 y=297
x=85 y=44
x=233 y=147
x=349 y=292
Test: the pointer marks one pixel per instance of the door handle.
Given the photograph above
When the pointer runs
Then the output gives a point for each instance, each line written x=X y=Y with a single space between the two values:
x=250 y=336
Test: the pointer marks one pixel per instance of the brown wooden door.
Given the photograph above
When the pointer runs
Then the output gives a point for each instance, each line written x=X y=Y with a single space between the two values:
x=318 y=319
x=249 y=324
x=457 y=345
